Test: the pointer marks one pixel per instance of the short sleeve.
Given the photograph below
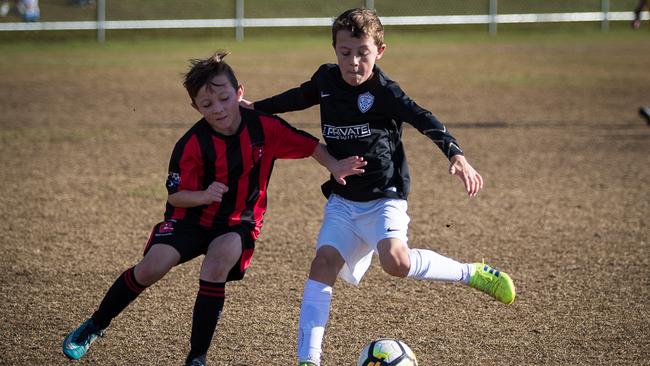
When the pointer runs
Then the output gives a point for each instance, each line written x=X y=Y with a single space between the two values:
x=185 y=166
x=288 y=141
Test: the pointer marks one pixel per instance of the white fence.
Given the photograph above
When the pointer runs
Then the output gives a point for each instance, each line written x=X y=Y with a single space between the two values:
x=239 y=22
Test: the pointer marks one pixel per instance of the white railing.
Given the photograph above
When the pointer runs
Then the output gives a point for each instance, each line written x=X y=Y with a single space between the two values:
x=240 y=22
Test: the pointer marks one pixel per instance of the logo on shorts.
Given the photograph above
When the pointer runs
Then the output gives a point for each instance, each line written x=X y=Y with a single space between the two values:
x=365 y=101
x=166 y=228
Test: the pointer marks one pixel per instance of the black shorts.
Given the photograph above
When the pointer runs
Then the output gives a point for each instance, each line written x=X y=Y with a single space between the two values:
x=192 y=241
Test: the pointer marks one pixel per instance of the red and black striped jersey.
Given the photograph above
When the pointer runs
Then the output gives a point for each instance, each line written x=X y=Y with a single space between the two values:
x=243 y=162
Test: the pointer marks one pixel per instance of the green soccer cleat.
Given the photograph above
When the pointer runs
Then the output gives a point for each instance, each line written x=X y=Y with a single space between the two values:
x=493 y=282
x=76 y=344
x=307 y=364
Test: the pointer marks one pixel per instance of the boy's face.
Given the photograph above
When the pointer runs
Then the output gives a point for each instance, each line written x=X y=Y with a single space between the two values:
x=356 y=56
x=219 y=104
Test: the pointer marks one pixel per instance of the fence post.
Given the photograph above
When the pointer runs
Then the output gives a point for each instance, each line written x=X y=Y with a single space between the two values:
x=370 y=4
x=604 y=6
x=493 y=17
x=239 y=20
x=101 y=21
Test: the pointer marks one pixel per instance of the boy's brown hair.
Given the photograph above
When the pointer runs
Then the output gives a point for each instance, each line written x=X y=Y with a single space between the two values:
x=203 y=70
x=361 y=22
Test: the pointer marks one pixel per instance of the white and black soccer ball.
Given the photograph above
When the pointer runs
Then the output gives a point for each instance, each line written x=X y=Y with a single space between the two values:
x=387 y=352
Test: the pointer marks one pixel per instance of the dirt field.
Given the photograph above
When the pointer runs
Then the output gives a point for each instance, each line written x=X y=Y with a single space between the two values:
x=551 y=123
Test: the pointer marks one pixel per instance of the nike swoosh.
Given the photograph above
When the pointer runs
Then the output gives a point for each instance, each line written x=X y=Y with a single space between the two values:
x=323 y=95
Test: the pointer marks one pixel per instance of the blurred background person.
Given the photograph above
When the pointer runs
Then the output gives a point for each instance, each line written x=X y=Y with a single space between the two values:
x=645 y=113
x=5 y=7
x=28 y=9
x=636 y=23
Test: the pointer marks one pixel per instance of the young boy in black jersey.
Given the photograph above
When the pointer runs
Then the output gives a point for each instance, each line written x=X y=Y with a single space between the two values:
x=217 y=185
x=362 y=114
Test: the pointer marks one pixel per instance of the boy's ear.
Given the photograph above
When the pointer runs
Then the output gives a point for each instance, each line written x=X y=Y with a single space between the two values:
x=240 y=92
x=380 y=50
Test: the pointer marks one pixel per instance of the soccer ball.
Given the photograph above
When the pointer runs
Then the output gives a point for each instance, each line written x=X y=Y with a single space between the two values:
x=387 y=352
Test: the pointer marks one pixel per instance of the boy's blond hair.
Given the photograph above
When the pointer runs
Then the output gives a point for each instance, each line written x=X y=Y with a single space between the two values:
x=361 y=22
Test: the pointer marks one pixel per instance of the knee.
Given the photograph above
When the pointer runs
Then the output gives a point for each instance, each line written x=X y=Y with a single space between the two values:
x=321 y=262
x=214 y=271
x=325 y=266
x=147 y=273
x=396 y=264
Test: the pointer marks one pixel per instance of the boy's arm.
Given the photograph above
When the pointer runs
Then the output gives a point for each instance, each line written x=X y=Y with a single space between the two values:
x=424 y=121
x=184 y=188
x=339 y=168
x=291 y=143
x=429 y=126
x=296 y=99
x=187 y=199
x=472 y=180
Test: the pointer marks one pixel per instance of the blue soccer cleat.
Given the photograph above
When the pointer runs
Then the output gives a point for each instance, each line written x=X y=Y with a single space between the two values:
x=76 y=344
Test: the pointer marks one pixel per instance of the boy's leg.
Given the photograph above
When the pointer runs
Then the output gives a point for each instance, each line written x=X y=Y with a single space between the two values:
x=428 y=265
x=126 y=288
x=387 y=225
x=636 y=23
x=224 y=253
x=398 y=260
x=315 y=305
x=155 y=264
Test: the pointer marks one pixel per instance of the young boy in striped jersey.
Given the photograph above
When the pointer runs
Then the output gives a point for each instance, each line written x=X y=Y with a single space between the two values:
x=362 y=114
x=217 y=184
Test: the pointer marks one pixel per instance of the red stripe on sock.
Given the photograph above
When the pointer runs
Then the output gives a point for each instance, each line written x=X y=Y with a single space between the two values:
x=208 y=290
x=132 y=284
x=211 y=294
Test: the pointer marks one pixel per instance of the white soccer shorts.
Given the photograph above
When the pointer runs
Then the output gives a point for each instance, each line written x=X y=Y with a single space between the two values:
x=355 y=228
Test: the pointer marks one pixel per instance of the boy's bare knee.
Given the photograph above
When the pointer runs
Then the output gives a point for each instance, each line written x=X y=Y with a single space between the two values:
x=147 y=273
x=394 y=257
x=395 y=267
x=155 y=264
x=214 y=272
x=326 y=266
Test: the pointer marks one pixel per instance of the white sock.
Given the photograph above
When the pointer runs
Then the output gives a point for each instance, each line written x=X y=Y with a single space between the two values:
x=314 y=313
x=429 y=265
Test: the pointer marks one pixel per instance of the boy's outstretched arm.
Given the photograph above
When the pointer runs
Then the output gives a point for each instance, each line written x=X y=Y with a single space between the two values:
x=471 y=178
x=339 y=168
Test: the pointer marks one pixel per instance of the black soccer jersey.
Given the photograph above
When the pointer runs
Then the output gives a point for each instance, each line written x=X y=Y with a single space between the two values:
x=364 y=120
x=243 y=162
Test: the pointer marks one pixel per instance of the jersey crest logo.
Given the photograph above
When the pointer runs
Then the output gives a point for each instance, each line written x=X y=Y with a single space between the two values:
x=173 y=180
x=365 y=101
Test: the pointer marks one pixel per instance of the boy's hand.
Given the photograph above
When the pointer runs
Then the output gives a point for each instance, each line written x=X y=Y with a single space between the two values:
x=246 y=104
x=471 y=178
x=348 y=166
x=214 y=192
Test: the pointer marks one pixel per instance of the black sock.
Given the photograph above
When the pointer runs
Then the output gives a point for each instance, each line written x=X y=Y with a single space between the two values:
x=207 y=310
x=124 y=290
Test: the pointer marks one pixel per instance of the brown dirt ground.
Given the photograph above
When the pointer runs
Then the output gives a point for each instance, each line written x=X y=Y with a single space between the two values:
x=550 y=123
